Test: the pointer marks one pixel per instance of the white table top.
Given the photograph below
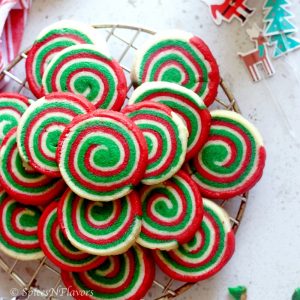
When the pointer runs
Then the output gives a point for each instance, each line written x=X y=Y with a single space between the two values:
x=267 y=258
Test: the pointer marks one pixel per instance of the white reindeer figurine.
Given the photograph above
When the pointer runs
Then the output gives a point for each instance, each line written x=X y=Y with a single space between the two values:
x=257 y=56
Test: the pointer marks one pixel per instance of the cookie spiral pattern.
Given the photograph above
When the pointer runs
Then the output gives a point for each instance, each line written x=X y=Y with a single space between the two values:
x=20 y=181
x=57 y=247
x=101 y=228
x=172 y=212
x=102 y=155
x=49 y=43
x=206 y=254
x=41 y=126
x=232 y=160
x=18 y=230
x=184 y=102
x=125 y=276
x=12 y=107
x=166 y=137
x=178 y=57
x=84 y=70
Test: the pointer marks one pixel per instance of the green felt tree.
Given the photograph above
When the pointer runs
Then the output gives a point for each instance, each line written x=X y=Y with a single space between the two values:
x=238 y=292
x=296 y=295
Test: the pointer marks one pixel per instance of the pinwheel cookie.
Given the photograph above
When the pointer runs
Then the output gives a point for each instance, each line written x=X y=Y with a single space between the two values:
x=57 y=247
x=125 y=276
x=102 y=155
x=172 y=212
x=41 y=126
x=206 y=253
x=21 y=181
x=12 y=107
x=18 y=230
x=166 y=137
x=233 y=158
x=179 y=57
x=100 y=228
x=50 y=41
x=187 y=104
x=85 y=70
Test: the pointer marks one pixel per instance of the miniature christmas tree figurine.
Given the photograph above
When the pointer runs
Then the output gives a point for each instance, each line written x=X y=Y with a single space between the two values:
x=279 y=27
x=284 y=43
x=238 y=292
x=296 y=295
x=278 y=17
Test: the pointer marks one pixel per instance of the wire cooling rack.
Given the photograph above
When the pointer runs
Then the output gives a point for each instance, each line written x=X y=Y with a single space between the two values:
x=42 y=278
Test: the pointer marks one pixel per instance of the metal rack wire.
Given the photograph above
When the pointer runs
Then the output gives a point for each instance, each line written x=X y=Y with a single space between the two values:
x=124 y=40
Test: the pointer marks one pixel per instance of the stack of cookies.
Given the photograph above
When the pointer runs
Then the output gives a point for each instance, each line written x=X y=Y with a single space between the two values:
x=105 y=187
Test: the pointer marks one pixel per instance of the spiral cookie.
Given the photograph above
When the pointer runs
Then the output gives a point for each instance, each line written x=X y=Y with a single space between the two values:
x=178 y=57
x=172 y=212
x=12 y=107
x=206 y=254
x=86 y=71
x=50 y=42
x=18 y=230
x=20 y=181
x=102 y=155
x=166 y=137
x=41 y=126
x=187 y=104
x=100 y=228
x=58 y=249
x=232 y=160
x=126 y=276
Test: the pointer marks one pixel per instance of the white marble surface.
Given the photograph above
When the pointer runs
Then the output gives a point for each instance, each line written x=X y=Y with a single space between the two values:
x=267 y=258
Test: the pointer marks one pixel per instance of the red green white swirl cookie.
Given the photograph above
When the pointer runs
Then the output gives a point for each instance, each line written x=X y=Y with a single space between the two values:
x=57 y=247
x=166 y=137
x=100 y=228
x=50 y=42
x=204 y=255
x=187 y=104
x=84 y=70
x=18 y=229
x=233 y=158
x=126 y=276
x=102 y=155
x=178 y=57
x=41 y=126
x=20 y=181
x=172 y=212
x=12 y=107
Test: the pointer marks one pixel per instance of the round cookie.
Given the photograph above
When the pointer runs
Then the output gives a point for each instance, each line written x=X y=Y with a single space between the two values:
x=85 y=70
x=57 y=247
x=18 y=229
x=179 y=57
x=102 y=155
x=166 y=137
x=41 y=126
x=50 y=41
x=187 y=104
x=126 y=276
x=233 y=158
x=172 y=212
x=100 y=228
x=206 y=254
x=12 y=107
x=20 y=181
